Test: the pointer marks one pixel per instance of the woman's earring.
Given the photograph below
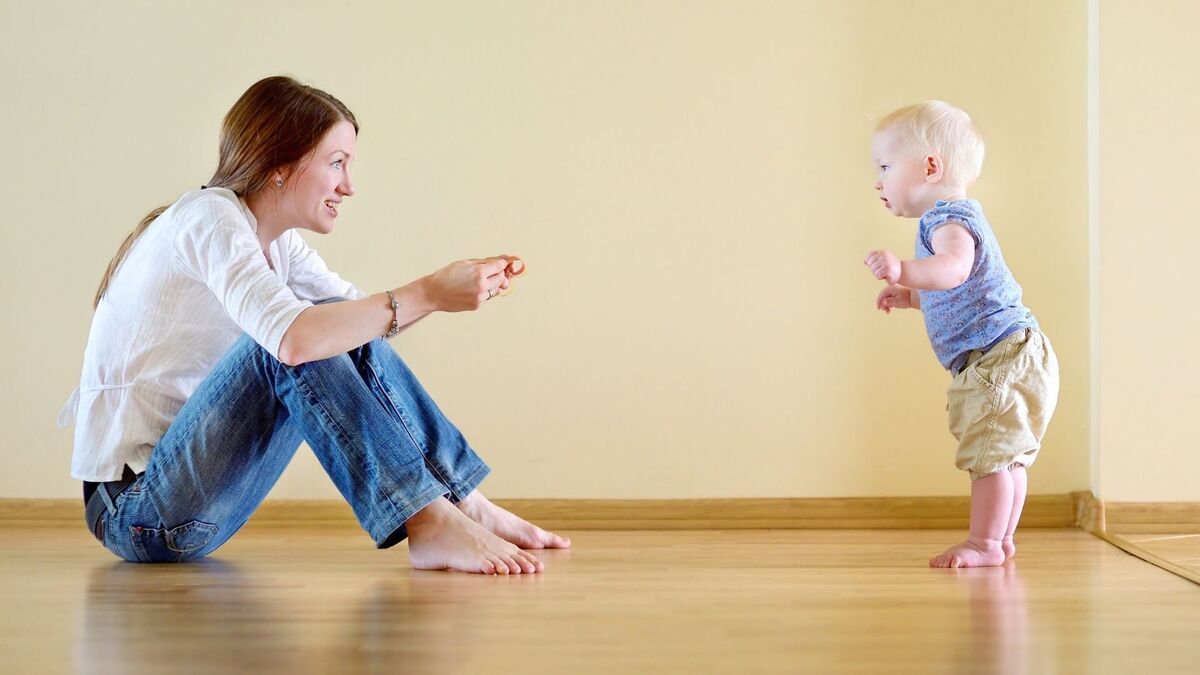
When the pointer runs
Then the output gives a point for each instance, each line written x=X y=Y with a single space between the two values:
x=278 y=182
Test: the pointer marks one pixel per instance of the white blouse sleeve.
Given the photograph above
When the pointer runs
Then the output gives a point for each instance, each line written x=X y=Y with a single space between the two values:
x=217 y=246
x=310 y=277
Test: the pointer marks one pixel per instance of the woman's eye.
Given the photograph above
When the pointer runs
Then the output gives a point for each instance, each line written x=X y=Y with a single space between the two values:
x=338 y=164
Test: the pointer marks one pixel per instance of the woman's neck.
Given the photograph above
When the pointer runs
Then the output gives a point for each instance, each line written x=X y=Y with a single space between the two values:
x=268 y=218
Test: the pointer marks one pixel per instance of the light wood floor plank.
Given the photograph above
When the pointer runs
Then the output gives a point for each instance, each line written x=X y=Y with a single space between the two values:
x=1179 y=553
x=323 y=600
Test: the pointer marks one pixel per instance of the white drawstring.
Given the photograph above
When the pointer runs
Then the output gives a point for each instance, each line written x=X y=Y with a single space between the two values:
x=66 y=416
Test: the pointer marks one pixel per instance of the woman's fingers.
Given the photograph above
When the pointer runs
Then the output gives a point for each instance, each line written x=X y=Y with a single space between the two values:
x=465 y=285
x=494 y=265
x=492 y=286
x=500 y=279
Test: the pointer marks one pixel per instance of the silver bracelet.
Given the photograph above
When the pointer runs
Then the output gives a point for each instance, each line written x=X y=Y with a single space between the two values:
x=395 y=327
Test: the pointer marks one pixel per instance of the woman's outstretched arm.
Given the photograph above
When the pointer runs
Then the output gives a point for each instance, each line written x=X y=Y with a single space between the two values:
x=322 y=331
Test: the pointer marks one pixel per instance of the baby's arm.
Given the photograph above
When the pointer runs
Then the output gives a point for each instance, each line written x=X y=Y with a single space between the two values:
x=949 y=266
x=895 y=296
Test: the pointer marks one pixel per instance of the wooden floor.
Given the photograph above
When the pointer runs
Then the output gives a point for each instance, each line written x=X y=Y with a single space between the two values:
x=1182 y=550
x=286 y=600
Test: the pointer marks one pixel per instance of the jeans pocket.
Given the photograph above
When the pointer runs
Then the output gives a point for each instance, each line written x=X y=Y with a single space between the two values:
x=131 y=492
x=174 y=545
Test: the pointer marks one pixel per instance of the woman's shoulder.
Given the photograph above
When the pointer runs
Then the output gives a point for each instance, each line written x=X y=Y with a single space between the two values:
x=216 y=201
x=205 y=209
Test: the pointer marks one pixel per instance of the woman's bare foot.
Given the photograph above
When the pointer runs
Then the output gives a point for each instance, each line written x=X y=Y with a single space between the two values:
x=507 y=525
x=971 y=553
x=441 y=537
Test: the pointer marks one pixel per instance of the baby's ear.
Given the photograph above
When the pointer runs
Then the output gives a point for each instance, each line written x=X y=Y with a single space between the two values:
x=934 y=168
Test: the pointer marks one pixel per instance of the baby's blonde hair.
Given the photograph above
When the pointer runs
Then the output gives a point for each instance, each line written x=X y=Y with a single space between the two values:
x=937 y=126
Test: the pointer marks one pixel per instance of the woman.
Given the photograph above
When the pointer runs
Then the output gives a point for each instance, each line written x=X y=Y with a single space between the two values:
x=217 y=347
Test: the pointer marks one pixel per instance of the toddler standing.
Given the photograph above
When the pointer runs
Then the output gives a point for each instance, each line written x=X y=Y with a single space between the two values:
x=1005 y=373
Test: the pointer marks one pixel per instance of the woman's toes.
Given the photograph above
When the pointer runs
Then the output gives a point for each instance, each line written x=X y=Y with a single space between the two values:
x=526 y=562
x=546 y=539
x=534 y=564
x=500 y=566
x=510 y=565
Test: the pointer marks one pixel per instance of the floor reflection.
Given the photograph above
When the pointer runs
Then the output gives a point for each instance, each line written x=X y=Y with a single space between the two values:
x=218 y=616
x=997 y=639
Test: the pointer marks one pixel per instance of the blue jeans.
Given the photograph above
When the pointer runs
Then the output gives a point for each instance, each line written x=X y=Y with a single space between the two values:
x=388 y=448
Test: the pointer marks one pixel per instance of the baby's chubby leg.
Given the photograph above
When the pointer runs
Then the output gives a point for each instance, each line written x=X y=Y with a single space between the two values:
x=991 y=510
x=1020 y=481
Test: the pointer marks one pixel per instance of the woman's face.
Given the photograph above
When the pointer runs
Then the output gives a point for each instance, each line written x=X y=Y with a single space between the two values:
x=322 y=181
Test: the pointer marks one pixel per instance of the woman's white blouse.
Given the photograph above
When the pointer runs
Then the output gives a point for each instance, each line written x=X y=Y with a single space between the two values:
x=192 y=284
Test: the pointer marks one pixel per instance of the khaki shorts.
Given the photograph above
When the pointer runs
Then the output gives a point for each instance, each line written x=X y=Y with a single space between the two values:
x=1001 y=403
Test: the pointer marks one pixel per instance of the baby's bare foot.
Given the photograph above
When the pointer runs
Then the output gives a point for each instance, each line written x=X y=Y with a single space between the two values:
x=440 y=537
x=507 y=525
x=971 y=553
x=1009 y=548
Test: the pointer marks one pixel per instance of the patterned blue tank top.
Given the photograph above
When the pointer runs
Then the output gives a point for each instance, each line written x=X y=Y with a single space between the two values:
x=983 y=310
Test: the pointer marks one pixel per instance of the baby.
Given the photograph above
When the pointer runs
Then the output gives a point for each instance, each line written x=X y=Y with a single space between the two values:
x=1005 y=372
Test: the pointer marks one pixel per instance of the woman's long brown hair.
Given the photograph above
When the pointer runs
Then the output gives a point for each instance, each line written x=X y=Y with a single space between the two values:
x=274 y=126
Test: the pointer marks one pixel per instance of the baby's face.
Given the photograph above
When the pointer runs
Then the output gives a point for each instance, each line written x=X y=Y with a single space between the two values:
x=899 y=174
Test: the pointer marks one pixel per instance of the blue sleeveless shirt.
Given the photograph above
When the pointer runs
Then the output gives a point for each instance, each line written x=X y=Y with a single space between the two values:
x=983 y=310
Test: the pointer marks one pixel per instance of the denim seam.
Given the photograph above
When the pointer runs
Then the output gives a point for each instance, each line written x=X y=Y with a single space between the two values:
x=317 y=403
x=187 y=433
x=433 y=468
x=403 y=514
x=223 y=384
x=472 y=482
x=407 y=506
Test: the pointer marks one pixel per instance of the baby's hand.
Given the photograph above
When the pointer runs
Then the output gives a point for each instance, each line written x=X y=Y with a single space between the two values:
x=893 y=297
x=884 y=266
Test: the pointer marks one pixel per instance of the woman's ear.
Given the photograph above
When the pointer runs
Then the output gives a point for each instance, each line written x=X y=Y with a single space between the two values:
x=934 y=168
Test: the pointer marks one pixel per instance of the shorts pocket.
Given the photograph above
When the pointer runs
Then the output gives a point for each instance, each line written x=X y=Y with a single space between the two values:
x=970 y=402
x=981 y=379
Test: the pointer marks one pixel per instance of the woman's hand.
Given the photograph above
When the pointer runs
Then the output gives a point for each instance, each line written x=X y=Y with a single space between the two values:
x=465 y=285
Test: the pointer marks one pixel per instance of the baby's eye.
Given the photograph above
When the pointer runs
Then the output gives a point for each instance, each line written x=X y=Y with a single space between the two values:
x=883 y=167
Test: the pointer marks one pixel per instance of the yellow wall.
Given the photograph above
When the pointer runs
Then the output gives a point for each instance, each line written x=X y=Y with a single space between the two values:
x=1149 y=246
x=689 y=183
